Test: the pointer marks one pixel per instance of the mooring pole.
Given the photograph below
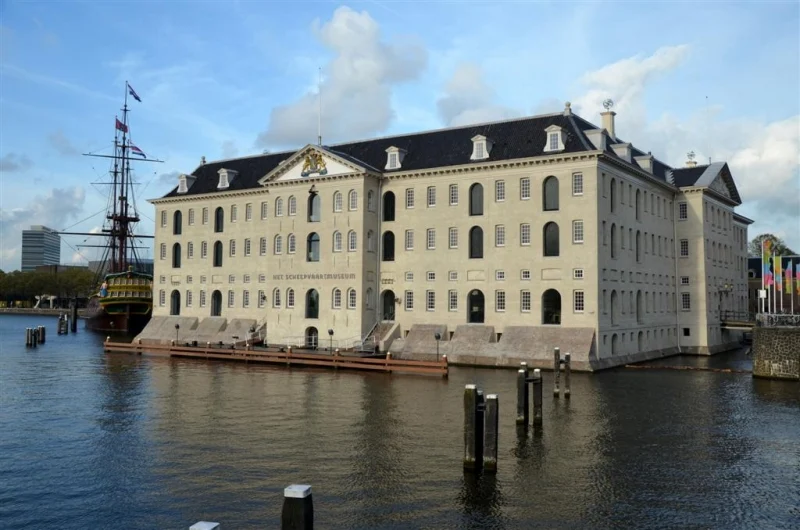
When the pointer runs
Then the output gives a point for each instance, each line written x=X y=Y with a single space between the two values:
x=298 y=508
x=28 y=337
x=522 y=397
x=491 y=436
x=537 y=397
x=470 y=428
x=42 y=334
x=556 y=370
x=75 y=315
x=567 y=371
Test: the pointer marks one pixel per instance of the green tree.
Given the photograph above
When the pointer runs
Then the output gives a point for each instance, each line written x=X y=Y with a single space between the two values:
x=779 y=248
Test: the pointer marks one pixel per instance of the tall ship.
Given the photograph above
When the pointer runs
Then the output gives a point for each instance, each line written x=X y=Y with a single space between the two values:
x=123 y=299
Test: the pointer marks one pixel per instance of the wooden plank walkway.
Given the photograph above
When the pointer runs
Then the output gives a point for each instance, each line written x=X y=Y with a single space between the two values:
x=286 y=358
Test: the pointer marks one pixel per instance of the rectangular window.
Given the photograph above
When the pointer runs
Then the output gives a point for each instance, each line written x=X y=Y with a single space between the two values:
x=205 y=216
x=431 y=238
x=578 y=301
x=202 y=298
x=577 y=184
x=500 y=190
x=452 y=297
x=409 y=240
x=453 y=276
x=452 y=238
x=190 y=250
x=431 y=275
x=686 y=301
x=231 y=278
x=525 y=301
x=204 y=250
x=500 y=236
x=337 y=298
x=264 y=210
x=261 y=298
x=409 y=300
x=410 y=198
x=525 y=274
x=247 y=247
x=430 y=300
x=479 y=150
x=246 y=299
x=500 y=275
x=232 y=247
x=163 y=252
x=262 y=246
x=262 y=278
x=246 y=278
x=248 y=212
x=524 y=188
x=453 y=194
x=684 y=280
x=553 y=142
x=202 y=279
x=683 y=211
x=409 y=276
x=163 y=218
x=577 y=274
x=162 y=298
x=191 y=216
x=189 y=279
x=684 y=248
x=577 y=231
x=524 y=234
x=499 y=300
x=234 y=213
x=231 y=298
x=431 y=196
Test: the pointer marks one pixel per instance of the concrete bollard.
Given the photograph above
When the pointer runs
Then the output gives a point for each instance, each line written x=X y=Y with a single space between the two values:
x=298 y=508
x=41 y=334
x=205 y=525
x=491 y=436
x=28 y=337
x=522 y=397
x=567 y=372
x=556 y=370
x=537 y=397
x=472 y=456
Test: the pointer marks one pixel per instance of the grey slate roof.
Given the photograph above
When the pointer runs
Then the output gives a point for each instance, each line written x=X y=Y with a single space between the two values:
x=688 y=176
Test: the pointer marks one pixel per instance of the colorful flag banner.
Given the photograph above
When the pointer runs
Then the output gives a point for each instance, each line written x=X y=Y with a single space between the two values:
x=766 y=254
x=133 y=93
x=797 y=277
x=777 y=271
x=136 y=151
x=121 y=126
x=789 y=277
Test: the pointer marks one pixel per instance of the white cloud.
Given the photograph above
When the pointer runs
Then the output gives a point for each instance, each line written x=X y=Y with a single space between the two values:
x=54 y=210
x=468 y=99
x=357 y=88
x=63 y=146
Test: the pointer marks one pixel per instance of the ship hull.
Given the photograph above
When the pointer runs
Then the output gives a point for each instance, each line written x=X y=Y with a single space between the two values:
x=125 y=318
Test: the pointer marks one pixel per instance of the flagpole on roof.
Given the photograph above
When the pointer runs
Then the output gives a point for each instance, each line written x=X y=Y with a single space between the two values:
x=319 y=113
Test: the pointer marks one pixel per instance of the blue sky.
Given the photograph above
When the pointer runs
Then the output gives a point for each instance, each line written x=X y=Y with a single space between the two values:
x=223 y=79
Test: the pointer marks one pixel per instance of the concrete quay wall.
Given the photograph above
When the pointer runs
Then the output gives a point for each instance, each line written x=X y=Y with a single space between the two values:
x=776 y=352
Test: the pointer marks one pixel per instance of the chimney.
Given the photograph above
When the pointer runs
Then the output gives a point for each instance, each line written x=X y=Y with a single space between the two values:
x=690 y=162
x=608 y=123
x=567 y=109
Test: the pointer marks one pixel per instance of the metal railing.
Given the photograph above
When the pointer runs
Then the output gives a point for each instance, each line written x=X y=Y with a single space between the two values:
x=738 y=316
x=773 y=320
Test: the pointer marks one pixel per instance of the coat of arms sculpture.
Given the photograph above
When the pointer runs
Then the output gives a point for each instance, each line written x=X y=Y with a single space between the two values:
x=314 y=163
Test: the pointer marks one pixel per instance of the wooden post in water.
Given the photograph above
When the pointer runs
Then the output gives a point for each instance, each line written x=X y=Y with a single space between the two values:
x=480 y=427
x=28 y=337
x=471 y=454
x=205 y=525
x=537 y=397
x=34 y=337
x=75 y=315
x=491 y=436
x=522 y=397
x=556 y=370
x=298 y=508
x=42 y=334
x=567 y=371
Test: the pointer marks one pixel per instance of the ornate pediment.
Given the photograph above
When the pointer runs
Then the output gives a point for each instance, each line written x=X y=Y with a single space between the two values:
x=719 y=185
x=311 y=162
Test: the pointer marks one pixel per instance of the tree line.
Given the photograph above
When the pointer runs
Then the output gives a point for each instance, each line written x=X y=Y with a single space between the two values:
x=22 y=288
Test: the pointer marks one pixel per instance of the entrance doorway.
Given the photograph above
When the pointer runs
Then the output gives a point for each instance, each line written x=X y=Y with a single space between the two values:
x=312 y=338
x=387 y=305
x=475 y=307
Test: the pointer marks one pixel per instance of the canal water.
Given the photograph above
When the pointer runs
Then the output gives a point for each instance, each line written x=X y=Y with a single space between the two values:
x=91 y=440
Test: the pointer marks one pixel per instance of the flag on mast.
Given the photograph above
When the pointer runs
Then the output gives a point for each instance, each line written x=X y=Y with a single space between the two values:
x=121 y=126
x=136 y=151
x=133 y=93
x=766 y=253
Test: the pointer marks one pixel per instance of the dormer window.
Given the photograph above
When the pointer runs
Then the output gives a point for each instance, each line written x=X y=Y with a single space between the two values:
x=481 y=148
x=185 y=182
x=555 y=139
x=394 y=158
x=226 y=176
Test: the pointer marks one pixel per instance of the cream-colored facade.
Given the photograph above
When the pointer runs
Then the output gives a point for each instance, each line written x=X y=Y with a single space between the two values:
x=592 y=235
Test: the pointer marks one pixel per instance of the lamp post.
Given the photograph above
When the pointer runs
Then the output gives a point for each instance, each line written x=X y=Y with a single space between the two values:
x=438 y=337
x=330 y=334
x=177 y=330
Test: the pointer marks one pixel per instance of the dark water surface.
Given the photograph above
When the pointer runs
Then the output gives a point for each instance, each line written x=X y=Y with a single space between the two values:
x=92 y=440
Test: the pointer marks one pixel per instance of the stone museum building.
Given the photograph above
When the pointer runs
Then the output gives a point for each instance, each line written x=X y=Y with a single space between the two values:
x=492 y=243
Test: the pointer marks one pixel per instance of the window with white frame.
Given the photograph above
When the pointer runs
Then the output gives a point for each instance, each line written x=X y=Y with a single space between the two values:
x=290 y=298
x=262 y=246
x=248 y=212
x=430 y=300
x=264 y=209
x=578 y=301
x=247 y=247
x=231 y=278
x=525 y=188
x=431 y=276
x=686 y=302
x=291 y=244
x=261 y=298
x=410 y=198
x=246 y=298
x=353 y=200
x=553 y=142
x=500 y=275
x=499 y=190
x=684 y=248
x=452 y=237
x=276 y=297
x=409 y=276
x=370 y=201
x=431 y=238
x=205 y=216
x=202 y=298
x=190 y=250
x=162 y=298
x=162 y=279
x=683 y=211
x=337 y=241
x=499 y=300
x=163 y=251
x=234 y=213
x=453 y=276
x=525 y=301
x=232 y=248
x=231 y=298
x=577 y=184
x=191 y=216
x=431 y=196
x=278 y=247
x=577 y=231
x=352 y=241
x=203 y=249
x=337 y=201
x=337 y=298
x=189 y=279
x=409 y=240
x=409 y=296
x=524 y=234
x=452 y=300
x=500 y=235
x=262 y=278
x=577 y=274
x=163 y=218
x=525 y=274
x=292 y=205
x=453 y=194
x=279 y=207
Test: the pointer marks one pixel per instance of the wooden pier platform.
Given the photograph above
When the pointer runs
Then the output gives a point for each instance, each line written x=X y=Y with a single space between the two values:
x=250 y=354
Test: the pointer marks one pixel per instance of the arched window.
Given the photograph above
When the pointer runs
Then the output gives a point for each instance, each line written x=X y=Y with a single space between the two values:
x=638 y=205
x=352 y=241
x=278 y=247
x=388 y=206
x=336 y=298
x=371 y=201
x=475 y=241
x=218 y=254
x=550 y=194
x=175 y=303
x=551 y=307
x=337 y=241
x=370 y=241
x=551 y=239
x=176 y=256
x=216 y=304
x=314 y=208
x=476 y=199
x=352 y=200
x=219 y=219
x=351 y=299
x=388 y=246
x=638 y=246
x=613 y=236
x=613 y=195
x=292 y=207
x=289 y=298
x=177 y=222
x=279 y=207
x=312 y=304
x=312 y=247
x=337 y=201
x=276 y=297
x=291 y=244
